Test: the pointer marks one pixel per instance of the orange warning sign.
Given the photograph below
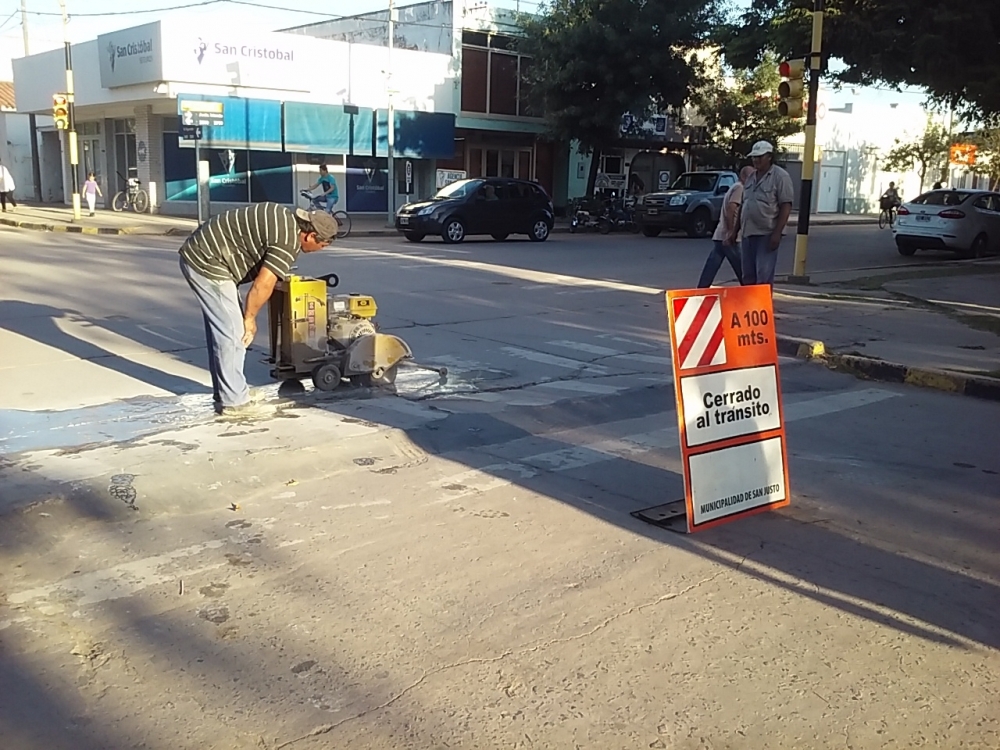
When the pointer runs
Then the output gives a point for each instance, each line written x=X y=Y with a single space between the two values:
x=963 y=154
x=729 y=407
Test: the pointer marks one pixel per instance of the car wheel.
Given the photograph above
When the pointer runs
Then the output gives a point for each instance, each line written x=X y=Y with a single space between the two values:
x=906 y=249
x=454 y=231
x=413 y=236
x=651 y=231
x=980 y=247
x=700 y=223
x=540 y=230
x=500 y=236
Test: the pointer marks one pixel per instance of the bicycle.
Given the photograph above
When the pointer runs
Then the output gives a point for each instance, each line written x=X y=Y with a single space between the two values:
x=887 y=217
x=318 y=203
x=133 y=196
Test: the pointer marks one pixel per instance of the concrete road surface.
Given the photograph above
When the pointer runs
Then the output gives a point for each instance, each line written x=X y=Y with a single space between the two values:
x=456 y=565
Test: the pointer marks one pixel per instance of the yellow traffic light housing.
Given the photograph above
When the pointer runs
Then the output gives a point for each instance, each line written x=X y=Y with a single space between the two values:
x=60 y=111
x=792 y=89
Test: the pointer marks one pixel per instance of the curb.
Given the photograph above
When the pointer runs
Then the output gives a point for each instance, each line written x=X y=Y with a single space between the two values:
x=67 y=228
x=869 y=368
x=176 y=231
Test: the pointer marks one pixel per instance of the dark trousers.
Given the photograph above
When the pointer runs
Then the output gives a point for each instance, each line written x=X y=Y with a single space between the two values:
x=8 y=196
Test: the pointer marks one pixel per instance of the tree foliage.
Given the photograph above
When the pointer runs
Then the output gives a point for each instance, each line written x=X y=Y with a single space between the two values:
x=595 y=60
x=987 y=141
x=928 y=153
x=740 y=110
x=948 y=47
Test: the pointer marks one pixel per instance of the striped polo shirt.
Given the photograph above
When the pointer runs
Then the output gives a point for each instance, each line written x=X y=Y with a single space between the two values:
x=235 y=245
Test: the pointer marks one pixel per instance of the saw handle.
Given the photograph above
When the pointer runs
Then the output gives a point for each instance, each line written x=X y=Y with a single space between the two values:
x=332 y=280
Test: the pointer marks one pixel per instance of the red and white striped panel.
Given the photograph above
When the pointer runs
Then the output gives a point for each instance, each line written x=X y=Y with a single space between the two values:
x=698 y=330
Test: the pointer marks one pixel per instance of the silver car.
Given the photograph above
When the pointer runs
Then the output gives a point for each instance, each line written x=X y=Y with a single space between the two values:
x=966 y=221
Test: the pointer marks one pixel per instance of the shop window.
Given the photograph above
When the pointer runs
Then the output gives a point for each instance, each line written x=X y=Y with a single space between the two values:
x=270 y=177
x=474 y=73
x=524 y=104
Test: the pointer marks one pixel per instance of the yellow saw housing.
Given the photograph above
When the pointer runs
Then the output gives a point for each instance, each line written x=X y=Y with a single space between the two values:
x=329 y=337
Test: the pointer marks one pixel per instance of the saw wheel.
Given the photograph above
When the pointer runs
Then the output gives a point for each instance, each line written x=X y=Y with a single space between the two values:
x=369 y=380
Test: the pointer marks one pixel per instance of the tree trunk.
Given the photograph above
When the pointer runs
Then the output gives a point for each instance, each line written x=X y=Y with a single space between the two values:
x=595 y=163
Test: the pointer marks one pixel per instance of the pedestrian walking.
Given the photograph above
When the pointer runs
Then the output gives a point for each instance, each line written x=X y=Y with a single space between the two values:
x=767 y=204
x=727 y=235
x=6 y=188
x=91 y=190
x=252 y=245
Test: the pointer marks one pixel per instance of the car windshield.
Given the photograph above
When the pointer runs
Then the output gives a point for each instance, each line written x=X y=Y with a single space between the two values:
x=942 y=198
x=701 y=183
x=458 y=189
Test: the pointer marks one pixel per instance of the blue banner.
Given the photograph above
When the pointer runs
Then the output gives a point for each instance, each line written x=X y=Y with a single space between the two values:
x=366 y=184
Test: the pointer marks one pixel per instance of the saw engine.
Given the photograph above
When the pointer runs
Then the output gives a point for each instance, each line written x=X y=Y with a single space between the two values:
x=331 y=337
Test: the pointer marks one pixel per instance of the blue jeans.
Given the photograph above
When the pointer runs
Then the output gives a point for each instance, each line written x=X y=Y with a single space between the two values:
x=223 y=314
x=713 y=263
x=759 y=260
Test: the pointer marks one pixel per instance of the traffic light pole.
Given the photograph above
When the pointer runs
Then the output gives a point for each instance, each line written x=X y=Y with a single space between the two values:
x=74 y=154
x=809 y=157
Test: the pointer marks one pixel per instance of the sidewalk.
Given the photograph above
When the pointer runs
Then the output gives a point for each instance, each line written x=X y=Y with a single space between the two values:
x=937 y=327
x=55 y=218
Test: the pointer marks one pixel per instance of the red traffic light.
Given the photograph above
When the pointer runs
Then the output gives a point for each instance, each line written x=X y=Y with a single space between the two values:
x=792 y=69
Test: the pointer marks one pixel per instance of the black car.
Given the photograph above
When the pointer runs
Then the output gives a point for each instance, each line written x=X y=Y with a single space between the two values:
x=496 y=206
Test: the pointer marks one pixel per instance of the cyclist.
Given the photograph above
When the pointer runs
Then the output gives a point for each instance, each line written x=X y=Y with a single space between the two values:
x=891 y=196
x=890 y=200
x=329 y=186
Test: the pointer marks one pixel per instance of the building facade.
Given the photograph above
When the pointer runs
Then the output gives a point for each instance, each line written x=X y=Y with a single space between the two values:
x=290 y=103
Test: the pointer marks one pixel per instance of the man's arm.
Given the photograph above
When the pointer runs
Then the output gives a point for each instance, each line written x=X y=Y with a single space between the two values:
x=260 y=293
x=732 y=214
x=785 y=196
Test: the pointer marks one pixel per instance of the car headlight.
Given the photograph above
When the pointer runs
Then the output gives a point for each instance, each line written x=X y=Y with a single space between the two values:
x=678 y=200
x=426 y=211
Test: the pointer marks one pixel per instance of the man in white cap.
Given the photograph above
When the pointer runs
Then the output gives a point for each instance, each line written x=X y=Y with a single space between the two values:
x=767 y=203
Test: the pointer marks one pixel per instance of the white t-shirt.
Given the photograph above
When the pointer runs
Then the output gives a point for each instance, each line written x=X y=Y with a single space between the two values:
x=6 y=180
x=733 y=195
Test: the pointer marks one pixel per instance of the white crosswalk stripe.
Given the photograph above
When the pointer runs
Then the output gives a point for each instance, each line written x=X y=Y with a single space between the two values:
x=633 y=445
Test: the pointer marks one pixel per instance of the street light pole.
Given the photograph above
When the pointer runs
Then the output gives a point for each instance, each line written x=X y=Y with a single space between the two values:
x=390 y=163
x=808 y=158
x=74 y=154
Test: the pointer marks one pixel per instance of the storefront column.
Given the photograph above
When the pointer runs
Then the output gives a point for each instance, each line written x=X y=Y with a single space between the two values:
x=149 y=154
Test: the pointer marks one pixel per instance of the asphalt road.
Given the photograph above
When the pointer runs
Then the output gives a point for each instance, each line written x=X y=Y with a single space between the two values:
x=456 y=565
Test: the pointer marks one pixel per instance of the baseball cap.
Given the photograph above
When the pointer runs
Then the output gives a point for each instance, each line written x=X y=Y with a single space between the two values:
x=760 y=148
x=325 y=225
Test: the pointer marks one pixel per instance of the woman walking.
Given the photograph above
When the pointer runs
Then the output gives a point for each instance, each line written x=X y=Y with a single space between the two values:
x=6 y=188
x=91 y=190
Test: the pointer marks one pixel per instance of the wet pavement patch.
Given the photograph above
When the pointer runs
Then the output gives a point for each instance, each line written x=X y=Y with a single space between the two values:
x=213 y=590
x=215 y=613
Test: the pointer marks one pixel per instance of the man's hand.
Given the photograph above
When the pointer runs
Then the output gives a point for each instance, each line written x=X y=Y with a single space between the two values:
x=775 y=240
x=249 y=331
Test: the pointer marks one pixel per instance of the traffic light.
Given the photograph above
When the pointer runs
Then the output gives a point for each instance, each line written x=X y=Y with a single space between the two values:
x=60 y=111
x=792 y=88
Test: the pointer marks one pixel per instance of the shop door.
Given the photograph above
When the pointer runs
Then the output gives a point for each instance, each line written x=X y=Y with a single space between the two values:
x=90 y=160
x=501 y=162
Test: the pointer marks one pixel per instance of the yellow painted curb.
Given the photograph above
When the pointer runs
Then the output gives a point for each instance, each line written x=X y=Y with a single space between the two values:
x=941 y=381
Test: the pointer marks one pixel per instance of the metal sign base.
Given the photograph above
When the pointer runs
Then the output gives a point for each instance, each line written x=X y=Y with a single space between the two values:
x=671 y=516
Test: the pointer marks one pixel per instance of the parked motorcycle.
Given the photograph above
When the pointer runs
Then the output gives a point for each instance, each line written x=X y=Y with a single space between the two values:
x=619 y=216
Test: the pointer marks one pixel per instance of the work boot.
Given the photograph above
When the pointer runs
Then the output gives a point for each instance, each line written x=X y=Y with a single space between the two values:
x=246 y=412
x=257 y=396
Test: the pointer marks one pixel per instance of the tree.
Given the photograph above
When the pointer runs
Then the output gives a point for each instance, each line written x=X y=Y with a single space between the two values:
x=928 y=152
x=593 y=61
x=987 y=141
x=949 y=48
x=739 y=111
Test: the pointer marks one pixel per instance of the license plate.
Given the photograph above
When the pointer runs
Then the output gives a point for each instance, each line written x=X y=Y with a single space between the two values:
x=921 y=217
x=652 y=211
x=404 y=219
